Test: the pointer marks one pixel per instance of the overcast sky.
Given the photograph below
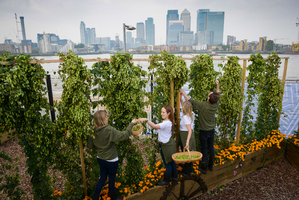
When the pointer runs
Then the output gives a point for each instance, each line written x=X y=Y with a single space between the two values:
x=244 y=19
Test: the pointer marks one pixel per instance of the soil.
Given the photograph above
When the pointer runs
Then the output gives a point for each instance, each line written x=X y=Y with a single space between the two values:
x=279 y=180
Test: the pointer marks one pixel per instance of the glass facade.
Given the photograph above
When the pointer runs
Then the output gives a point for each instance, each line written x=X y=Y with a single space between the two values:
x=171 y=15
x=212 y=23
x=175 y=27
x=140 y=32
x=150 y=31
x=186 y=18
x=186 y=38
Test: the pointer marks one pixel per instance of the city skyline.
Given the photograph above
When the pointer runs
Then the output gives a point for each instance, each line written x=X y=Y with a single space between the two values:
x=243 y=19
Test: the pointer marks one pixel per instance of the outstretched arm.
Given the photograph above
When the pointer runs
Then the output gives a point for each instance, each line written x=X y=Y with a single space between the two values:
x=184 y=94
x=150 y=123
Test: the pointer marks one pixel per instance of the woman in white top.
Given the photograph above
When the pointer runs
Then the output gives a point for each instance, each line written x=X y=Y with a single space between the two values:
x=166 y=143
x=186 y=136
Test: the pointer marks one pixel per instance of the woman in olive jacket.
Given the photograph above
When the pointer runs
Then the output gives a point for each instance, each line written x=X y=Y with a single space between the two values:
x=105 y=137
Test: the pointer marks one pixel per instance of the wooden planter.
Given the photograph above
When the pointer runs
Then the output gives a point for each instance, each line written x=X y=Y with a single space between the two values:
x=221 y=174
x=292 y=154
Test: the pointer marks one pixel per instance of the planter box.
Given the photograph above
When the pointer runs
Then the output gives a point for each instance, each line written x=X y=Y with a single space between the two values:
x=292 y=154
x=221 y=174
x=6 y=136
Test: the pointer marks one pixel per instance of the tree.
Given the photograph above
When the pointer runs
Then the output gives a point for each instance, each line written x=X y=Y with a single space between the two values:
x=269 y=45
x=79 y=45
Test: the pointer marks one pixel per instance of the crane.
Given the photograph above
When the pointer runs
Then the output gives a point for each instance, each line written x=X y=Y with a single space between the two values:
x=297 y=25
x=280 y=39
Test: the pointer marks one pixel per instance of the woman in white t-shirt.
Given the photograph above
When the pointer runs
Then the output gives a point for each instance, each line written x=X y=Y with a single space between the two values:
x=186 y=135
x=166 y=142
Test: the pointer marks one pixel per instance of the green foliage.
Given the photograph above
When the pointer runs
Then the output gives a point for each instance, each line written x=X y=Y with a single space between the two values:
x=255 y=82
x=172 y=68
x=164 y=68
x=230 y=107
x=9 y=182
x=120 y=84
x=202 y=82
x=22 y=100
x=269 y=102
x=74 y=123
x=79 y=45
x=269 y=45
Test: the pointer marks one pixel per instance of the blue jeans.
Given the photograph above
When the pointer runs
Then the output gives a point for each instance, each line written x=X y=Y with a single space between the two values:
x=206 y=139
x=170 y=167
x=106 y=169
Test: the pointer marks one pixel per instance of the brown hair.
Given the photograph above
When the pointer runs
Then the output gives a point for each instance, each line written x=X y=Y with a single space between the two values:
x=99 y=118
x=214 y=97
x=187 y=109
x=169 y=109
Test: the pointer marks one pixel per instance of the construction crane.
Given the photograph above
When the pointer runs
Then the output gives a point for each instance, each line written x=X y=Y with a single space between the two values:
x=280 y=39
x=297 y=25
x=295 y=47
x=274 y=48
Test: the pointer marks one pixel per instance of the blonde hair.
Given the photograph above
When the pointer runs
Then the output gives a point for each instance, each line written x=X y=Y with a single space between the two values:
x=99 y=118
x=187 y=109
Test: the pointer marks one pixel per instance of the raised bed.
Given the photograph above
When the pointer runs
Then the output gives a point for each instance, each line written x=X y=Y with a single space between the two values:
x=221 y=175
x=292 y=154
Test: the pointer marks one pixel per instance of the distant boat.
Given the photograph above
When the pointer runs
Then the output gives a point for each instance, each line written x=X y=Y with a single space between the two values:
x=214 y=54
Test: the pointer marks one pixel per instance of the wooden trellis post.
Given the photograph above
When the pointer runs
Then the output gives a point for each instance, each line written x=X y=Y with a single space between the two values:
x=171 y=96
x=83 y=166
x=283 y=83
x=177 y=120
x=241 y=103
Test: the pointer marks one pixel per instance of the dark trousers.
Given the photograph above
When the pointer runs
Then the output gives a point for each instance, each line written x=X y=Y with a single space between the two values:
x=170 y=167
x=106 y=169
x=206 y=139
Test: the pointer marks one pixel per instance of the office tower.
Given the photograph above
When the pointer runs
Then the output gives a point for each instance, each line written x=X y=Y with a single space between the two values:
x=262 y=44
x=117 y=43
x=91 y=35
x=171 y=16
x=140 y=33
x=23 y=28
x=230 y=39
x=174 y=29
x=106 y=42
x=129 y=44
x=186 y=38
x=210 y=27
x=186 y=18
x=83 y=33
x=150 y=31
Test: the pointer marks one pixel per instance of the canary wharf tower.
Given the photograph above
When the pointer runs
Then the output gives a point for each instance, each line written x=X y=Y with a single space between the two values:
x=210 y=27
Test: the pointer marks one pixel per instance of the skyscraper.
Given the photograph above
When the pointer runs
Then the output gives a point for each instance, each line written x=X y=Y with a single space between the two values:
x=140 y=32
x=174 y=29
x=23 y=28
x=129 y=44
x=150 y=31
x=91 y=35
x=210 y=27
x=171 y=16
x=186 y=18
x=83 y=33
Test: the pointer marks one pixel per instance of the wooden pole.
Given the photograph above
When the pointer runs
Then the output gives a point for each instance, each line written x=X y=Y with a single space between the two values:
x=283 y=83
x=83 y=167
x=241 y=103
x=178 y=119
x=171 y=96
